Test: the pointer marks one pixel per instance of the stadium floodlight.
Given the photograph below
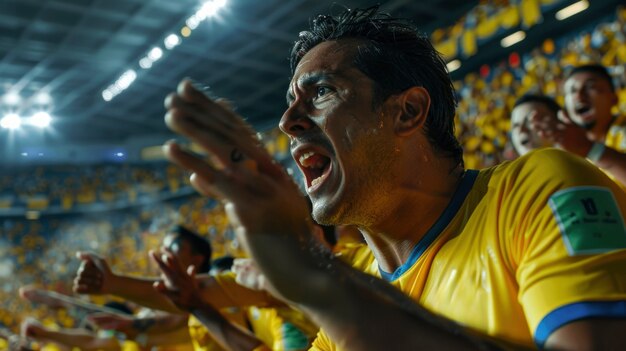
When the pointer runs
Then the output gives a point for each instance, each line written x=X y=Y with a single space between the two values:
x=192 y=22
x=12 y=99
x=126 y=79
x=185 y=31
x=41 y=119
x=571 y=10
x=513 y=39
x=11 y=121
x=453 y=65
x=121 y=84
x=208 y=9
x=155 y=54
x=171 y=41
x=145 y=63
x=43 y=98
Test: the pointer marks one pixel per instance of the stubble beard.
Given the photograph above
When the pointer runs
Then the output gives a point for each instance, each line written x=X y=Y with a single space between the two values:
x=366 y=200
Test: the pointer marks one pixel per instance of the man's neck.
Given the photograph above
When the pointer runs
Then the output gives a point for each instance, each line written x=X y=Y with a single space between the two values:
x=420 y=205
x=600 y=131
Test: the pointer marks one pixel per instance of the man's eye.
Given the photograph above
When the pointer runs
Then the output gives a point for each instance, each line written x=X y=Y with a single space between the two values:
x=322 y=91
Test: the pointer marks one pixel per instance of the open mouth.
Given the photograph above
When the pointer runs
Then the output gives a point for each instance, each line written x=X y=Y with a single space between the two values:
x=582 y=109
x=315 y=167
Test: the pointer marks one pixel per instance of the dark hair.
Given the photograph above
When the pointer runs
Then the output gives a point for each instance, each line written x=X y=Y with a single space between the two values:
x=596 y=69
x=198 y=244
x=396 y=57
x=549 y=102
x=224 y=263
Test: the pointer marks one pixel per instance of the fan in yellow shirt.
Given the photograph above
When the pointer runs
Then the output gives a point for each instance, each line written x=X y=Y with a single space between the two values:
x=520 y=277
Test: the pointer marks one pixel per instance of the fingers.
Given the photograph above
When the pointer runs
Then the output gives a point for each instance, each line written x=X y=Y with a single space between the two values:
x=564 y=117
x=213 y=126
x=171 y=269
x=87 y=256
x=187 y=160
x=215 y=138
x=89 y=279
x=212 y=182
x=27 y=292
x=97 y=260
x=191 y=271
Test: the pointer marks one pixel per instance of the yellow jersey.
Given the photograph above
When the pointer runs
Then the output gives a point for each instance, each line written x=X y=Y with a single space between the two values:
x=522 y=249
x=200 y=336
x=280 y=327
x=616 y=140
x=616 y=136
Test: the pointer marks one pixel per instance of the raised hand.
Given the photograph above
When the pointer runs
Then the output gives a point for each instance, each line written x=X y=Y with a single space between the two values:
x=248 y=274
x=269 y=215
x=178 y=284
x=34 y=294
x=260 y=197
x=561 y=132
x=31 y=328
x=120 y=323
x=93 y=276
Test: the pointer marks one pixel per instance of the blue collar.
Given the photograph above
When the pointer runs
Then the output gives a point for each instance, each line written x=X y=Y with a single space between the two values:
x=453 y=207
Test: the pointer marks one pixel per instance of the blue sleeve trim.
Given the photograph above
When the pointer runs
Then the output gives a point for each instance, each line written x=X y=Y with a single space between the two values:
x=575 y=311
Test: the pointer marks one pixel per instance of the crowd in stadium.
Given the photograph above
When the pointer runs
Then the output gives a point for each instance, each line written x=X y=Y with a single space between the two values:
x=145 y=202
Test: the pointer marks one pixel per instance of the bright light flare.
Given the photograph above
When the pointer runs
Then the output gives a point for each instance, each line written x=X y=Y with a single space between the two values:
x=453 y=65
x=571 y=10
x=121 y=84
x=126 y=79
x=155 y=54
x=207 y=10
x=171 y=41
x=43 y=98
x=145 y=63
x=41 y=119
x=513 y=39
x=12 y=99
x=11 y=121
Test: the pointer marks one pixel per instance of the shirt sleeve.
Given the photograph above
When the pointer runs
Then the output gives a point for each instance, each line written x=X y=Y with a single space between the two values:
x=570 y=242
x=232 y=294
x=322 y=343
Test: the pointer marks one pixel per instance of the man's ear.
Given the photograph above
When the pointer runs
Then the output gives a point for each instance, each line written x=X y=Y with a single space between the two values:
x=614 y=99
x=414 y=106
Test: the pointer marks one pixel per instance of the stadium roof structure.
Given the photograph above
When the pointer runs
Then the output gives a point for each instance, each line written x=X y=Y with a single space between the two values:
x=77 y=50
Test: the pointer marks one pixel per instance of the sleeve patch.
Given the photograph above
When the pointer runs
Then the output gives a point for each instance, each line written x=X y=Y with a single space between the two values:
x=589 y=219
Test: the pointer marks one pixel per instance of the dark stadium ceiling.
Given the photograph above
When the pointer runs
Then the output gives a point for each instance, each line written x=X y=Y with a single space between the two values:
x=74 y=49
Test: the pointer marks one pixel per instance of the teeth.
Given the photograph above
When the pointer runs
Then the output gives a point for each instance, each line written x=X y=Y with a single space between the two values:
x=305 y=156
x=316 y=181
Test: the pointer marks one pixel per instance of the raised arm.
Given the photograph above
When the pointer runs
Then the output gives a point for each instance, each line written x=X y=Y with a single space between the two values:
x=182 y=289
x=95 y=277
x=159 y=322
x=271 y=218
x=69 y=338
x=56 y=300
